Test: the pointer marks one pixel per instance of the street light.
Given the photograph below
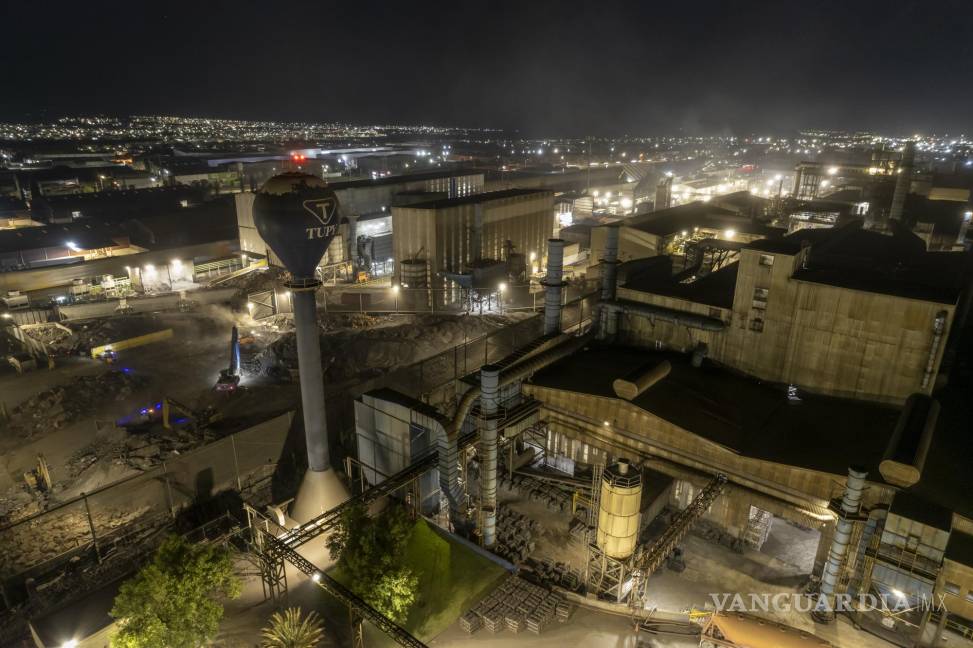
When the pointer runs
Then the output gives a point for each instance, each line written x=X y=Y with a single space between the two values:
x=501 y=289
x=395 y=292
x=316 y=577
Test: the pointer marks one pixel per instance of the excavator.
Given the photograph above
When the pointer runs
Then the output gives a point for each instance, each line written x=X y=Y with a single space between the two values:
x=229 y=378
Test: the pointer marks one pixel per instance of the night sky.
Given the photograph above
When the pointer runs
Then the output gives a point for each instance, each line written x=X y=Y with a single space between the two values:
x=545 y=68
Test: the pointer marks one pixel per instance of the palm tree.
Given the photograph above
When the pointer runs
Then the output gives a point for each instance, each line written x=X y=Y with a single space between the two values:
x=289 y=630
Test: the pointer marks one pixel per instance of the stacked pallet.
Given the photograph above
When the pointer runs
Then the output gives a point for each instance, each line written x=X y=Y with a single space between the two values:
x=516 y=604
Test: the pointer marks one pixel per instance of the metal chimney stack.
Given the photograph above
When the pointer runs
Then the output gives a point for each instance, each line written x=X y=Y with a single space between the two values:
x=904 y=181
x=848 y=512
x=553 y=283
x=489 y=406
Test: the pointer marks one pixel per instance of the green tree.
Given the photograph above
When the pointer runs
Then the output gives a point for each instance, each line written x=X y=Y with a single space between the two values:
x=289 y=630
x=176 y=600
x=370 y=551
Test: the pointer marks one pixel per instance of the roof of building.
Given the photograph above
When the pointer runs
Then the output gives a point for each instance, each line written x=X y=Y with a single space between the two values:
x=714 y=289
x=913 y=507
x=960 y=548
x=211 y=221
x=402 y=179
x=870 y=261
x=697 y=214
x=78 y=620
x=474 y=199
x=745 y=415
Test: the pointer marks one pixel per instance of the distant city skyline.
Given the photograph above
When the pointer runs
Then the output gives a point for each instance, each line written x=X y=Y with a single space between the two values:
x=539 y=68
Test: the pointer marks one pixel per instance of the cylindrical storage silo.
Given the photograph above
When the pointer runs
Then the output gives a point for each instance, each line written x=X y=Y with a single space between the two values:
x=415 y=294
x=619 y=514
x=413 y=273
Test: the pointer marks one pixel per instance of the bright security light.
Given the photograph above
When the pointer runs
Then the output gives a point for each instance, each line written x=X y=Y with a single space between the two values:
x=316 y=577
x=833 y=171
x=502 y=286
x=70 y=643
x=395 y=289
x=730 y=233
x=73 y=246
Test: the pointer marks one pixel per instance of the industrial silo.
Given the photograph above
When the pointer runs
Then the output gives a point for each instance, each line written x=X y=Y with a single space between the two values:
x=619 y=514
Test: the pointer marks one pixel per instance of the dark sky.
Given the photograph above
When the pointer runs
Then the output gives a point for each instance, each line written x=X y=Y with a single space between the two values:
x=547 y=68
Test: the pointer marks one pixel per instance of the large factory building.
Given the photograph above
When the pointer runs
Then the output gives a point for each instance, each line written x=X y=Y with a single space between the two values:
x=459 y=235
x=649 y=407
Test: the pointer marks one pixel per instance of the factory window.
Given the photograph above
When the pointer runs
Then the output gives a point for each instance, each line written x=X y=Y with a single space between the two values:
x=75 y=214
x=969 y=597
x=766 y=260
x=757 y=324
x=760 y=297
x=952 y=588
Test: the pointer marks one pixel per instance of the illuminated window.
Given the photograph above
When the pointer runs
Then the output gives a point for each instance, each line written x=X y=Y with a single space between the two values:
x=767 y=260
x=760 y=297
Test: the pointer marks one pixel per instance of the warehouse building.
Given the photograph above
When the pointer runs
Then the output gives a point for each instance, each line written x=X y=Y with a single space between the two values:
x=364 y=243
x=471 y=235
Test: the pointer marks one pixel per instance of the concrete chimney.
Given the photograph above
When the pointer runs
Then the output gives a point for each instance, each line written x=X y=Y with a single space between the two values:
x=553 y=284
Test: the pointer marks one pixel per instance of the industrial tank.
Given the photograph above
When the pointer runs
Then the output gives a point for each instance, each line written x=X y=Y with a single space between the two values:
x=619 y=512
x=413 y=273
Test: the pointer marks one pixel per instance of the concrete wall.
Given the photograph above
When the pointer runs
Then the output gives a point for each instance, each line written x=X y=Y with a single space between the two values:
x=823 y=338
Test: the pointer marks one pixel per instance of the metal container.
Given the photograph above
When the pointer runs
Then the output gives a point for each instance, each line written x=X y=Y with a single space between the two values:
x=619 y=514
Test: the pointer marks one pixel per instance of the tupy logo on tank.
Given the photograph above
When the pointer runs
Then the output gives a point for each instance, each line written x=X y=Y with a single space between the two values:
x=324 y=211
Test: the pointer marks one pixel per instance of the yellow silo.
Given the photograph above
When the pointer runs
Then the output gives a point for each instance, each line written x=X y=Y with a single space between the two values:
x=619 y=514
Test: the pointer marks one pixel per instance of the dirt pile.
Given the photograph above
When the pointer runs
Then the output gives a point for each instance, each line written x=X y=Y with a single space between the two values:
x=49 y=334
x=96 y=332
x=359 y=345
x=65 y=404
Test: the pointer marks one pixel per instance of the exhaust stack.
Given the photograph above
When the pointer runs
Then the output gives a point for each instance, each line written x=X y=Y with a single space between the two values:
x=848 y=512
x=607 y=320
x=553 y=283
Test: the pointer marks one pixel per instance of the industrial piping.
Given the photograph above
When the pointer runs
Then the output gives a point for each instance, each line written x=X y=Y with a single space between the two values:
x=489 y=407
x=553 y=285
x=850 y=508
x=448 y=441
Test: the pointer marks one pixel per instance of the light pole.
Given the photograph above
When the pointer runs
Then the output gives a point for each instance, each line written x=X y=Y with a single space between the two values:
x=395 y=294
x=500 y=290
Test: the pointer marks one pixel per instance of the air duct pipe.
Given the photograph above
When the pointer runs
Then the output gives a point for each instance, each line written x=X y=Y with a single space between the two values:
x=904 y=182
x=850 y=509
x=553 y=284
x=489 y=406
x=607 y=318
x=449 y=455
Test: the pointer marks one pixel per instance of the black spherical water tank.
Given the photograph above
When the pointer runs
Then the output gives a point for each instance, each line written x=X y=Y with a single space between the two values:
x=297 y=216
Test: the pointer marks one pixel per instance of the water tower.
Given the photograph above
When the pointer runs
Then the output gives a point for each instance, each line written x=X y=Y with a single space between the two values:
x=297 y=216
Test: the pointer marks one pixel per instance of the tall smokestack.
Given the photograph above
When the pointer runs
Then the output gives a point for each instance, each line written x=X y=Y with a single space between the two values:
x=849 y=510
x=553 y=284
x=904 y=181
x=297 y=216
x=489 y=406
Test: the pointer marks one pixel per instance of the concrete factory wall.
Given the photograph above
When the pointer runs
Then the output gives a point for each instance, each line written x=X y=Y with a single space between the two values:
x=824 y=338
x=779 y=488
x=444 y=235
